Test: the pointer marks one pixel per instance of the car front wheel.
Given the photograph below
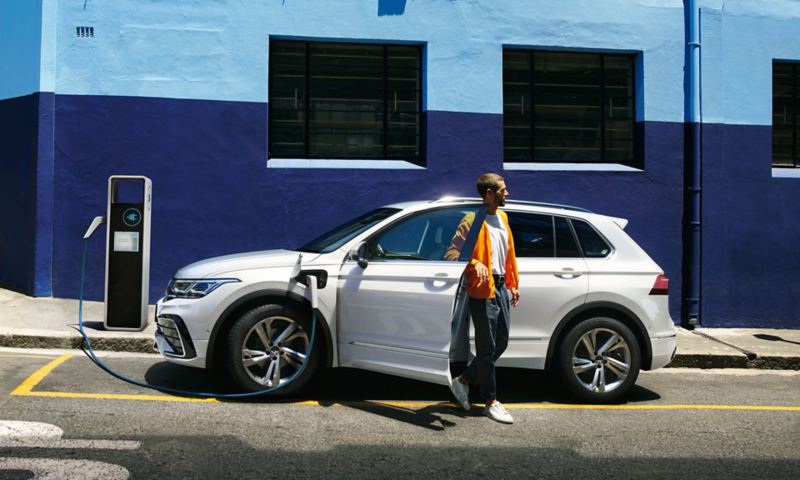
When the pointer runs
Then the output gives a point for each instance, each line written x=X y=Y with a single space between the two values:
x=599 y=360
x=267 y=347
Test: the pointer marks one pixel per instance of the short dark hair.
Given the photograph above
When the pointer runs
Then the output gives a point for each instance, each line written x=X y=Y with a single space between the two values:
x=488 y=181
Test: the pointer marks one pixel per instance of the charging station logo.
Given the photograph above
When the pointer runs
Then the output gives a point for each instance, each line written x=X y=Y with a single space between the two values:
x=132 y=217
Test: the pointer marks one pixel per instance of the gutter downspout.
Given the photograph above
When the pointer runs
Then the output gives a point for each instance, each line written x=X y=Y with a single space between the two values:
x=694 y=165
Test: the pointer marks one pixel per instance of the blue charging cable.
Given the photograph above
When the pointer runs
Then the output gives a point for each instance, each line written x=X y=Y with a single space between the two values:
x=90 y=353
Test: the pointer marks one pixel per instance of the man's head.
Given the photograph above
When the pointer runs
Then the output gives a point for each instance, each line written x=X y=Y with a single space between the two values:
x=492 y=189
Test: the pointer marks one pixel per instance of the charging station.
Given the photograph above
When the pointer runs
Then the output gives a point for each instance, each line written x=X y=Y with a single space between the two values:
x=127 y=252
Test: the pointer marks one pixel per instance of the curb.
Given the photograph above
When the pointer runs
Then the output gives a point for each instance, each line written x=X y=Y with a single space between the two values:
x=145 y=345
x=108 y=344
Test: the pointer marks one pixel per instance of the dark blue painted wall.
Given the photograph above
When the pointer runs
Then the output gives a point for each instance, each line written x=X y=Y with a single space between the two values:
x=751 y=230
x=214 y=195
x=18 y=180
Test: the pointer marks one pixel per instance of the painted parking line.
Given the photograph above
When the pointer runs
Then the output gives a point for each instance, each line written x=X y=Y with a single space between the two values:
x=26 y=389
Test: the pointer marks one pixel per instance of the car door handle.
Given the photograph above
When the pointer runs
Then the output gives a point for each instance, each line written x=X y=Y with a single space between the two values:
x=567 y=273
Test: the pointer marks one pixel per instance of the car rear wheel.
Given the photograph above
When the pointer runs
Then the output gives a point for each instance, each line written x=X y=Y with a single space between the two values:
x=266 y=348
x=599 y=360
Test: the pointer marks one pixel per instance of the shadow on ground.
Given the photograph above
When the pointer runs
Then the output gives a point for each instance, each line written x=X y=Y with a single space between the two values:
x=340 y=385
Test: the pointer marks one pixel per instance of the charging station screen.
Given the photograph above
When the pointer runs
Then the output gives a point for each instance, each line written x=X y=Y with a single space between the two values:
x=126 y=241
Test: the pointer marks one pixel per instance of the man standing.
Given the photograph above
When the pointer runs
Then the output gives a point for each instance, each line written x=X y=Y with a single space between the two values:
x=492 y=285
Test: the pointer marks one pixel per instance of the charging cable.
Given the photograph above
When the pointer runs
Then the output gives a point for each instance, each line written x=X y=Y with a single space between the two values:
x=311 y=285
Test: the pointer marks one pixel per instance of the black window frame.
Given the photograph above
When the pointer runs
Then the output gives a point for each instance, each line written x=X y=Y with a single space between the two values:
x=419 y=158
x=795 y=94
x=636 y=160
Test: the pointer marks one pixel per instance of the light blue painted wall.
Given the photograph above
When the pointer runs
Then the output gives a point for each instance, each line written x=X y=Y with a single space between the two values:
x=739 y=40
x=218 y=49
x=20 y=37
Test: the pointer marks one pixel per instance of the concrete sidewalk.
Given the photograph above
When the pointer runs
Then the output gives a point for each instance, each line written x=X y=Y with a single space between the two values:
x=27 y=322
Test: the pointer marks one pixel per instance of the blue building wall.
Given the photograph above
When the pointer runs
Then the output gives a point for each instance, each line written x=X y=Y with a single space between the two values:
x=751 y=214
x=178 y=92
x=26 y=123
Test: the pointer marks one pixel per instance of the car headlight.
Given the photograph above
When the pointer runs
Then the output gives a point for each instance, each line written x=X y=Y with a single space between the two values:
x=192 y=288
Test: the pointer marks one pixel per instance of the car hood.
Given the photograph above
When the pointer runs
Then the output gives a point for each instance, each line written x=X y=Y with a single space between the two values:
x=240 y=261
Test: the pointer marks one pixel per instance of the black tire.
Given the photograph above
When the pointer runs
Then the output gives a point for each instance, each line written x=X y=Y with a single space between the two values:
x=594 y=378
x=276 y=319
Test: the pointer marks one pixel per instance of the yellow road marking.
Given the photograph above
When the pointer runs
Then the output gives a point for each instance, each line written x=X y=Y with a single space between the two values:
x=117 y=396
x=26 y=389
x=37 y=376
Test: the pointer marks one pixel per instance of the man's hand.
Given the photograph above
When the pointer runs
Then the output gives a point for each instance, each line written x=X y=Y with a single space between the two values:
x=514 y=297
x=482 y=271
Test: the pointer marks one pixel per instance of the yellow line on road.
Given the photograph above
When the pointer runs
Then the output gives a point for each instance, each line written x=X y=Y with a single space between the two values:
x=119 y=396
x=37 y=376
x=26 y=389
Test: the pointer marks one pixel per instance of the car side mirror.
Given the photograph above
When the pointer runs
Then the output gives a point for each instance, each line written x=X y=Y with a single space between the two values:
x=359 y=254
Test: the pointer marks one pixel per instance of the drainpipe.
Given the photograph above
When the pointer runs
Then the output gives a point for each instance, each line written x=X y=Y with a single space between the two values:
x=694 y=166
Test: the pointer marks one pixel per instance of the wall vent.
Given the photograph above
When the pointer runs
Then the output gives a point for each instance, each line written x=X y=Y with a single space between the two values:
x=84 y=32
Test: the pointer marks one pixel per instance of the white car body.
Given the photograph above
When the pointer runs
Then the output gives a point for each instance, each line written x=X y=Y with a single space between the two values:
x=394 y=316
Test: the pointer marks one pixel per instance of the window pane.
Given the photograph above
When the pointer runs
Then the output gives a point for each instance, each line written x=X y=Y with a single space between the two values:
x=437 y=235
x=565 y=241
x=363 y=100
x=517 y=105
x=592 y=243
x=784 y=112
x=582 y=108
x=533 y=234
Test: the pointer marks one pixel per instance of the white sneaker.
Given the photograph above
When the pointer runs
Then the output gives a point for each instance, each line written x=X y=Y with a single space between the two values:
x=498 y=413
x=461 y=392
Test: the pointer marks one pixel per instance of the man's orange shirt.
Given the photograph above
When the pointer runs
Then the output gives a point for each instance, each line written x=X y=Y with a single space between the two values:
x=483 y=253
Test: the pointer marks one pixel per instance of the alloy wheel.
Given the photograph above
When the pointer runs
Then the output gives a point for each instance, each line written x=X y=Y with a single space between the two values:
x=274 y=350
x=601 y=360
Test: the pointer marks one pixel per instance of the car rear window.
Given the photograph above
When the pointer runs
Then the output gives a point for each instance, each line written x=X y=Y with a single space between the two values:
x=591 y=242
x=533 y=234
x=566 y=247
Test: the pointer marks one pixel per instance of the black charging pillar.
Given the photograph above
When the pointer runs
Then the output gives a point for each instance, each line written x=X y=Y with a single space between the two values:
x=127 y=252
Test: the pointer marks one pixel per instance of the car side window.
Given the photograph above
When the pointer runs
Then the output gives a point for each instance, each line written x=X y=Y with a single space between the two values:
x=591 y=242
x=566 y=247
x=533 y=234
x=434 y=235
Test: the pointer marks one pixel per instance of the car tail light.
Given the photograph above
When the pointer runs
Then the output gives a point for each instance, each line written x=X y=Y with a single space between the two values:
x=661 y=286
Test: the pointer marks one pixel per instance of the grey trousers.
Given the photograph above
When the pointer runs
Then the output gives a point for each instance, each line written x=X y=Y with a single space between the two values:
x=491 y=317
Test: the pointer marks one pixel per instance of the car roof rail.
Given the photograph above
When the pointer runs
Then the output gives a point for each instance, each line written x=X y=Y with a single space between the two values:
x=521 y=202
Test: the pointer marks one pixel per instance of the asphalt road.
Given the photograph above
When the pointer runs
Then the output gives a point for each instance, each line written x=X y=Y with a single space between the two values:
x=679 y=423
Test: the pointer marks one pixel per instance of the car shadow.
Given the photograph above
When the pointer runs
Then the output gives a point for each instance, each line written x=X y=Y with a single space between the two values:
x=386 y=395
x=345 y=385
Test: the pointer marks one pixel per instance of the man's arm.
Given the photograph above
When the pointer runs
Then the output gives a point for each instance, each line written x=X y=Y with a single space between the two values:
x=457 y=243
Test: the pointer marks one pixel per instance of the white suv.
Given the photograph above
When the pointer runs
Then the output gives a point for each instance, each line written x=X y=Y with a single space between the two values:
x=594 y=304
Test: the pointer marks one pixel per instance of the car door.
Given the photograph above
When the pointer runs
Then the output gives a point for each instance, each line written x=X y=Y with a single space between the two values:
x=553 y=281
x=395 y=314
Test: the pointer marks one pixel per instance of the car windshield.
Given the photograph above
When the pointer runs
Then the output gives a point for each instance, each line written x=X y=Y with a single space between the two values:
x=344 y=233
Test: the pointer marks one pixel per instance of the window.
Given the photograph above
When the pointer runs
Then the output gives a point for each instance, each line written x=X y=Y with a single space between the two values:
x=565 y=107
x=533 y=235
x=565 y=240
x=338 y=101
x=785 y=125
x=592 y=243
x=432 y=235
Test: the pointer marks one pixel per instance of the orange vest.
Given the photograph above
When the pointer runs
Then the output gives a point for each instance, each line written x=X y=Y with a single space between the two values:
x=483 y=253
